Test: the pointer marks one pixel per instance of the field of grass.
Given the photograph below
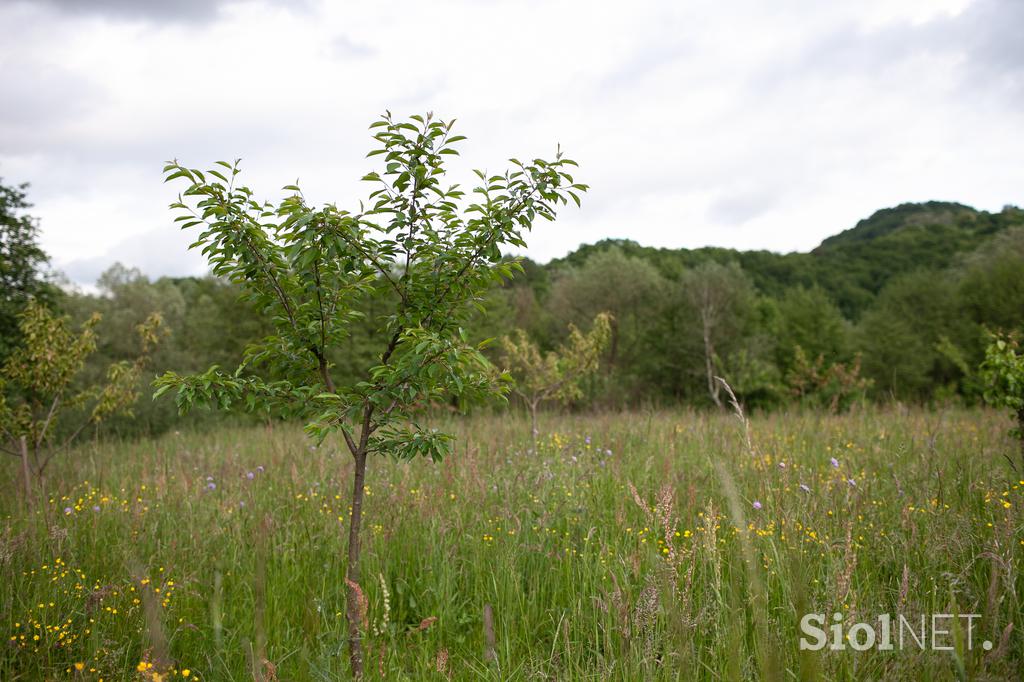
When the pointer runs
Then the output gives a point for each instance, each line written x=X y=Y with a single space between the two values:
x=632 y=546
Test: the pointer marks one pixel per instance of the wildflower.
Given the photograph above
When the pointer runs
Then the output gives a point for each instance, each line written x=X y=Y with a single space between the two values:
x=806 y=488
x=67 y=510
x=835 y=463
x=851 y=482
x=186 y=672
x=757 y=504
x=587 y=440
x=95 y=507
x=211 y=486
x=250 y=475
x=79 y=666
x=260 y=469
x=782 y=465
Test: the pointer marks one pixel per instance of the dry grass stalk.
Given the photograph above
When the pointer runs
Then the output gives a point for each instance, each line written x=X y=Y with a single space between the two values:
x=618 y=601
x=904 y=589
x=738 y=411
x=490 y=655
x=157 y=650
x=709 y=537
x=424 y=624
x=441 y=662
x=1002 y=647
x=844 y=580
x=644 y=615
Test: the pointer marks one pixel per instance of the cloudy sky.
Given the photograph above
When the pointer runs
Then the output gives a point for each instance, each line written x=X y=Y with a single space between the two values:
x=745 y=124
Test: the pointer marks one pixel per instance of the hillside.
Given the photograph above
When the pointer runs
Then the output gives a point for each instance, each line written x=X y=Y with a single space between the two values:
x=853 y=265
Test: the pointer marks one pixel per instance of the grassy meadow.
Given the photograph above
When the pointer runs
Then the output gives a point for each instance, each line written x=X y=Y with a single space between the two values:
x=644 y=545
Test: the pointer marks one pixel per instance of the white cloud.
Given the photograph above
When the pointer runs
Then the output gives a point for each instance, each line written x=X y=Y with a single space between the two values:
x=748 y=125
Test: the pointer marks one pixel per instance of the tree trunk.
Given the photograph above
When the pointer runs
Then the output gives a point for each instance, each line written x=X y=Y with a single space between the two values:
x=709 y=353
x=356 y=604
x=27 y=473
x=533 y=424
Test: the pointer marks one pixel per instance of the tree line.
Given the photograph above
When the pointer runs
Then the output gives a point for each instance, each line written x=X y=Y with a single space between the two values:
x=897 y=308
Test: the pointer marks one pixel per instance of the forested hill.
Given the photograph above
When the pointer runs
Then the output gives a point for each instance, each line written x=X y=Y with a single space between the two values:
x=854 y=265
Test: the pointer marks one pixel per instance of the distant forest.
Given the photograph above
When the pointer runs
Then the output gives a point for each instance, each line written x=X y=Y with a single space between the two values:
x=896 y=308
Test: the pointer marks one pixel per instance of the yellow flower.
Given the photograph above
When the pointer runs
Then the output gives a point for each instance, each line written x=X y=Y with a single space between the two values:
x=79 y=666
x=186 y=672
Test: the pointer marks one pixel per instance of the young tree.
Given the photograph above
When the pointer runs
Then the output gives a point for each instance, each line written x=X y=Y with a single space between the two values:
x=555 y=375
x=1003 y=375
x=609 y=281
x=39 y=399
x=834 y=386
x=415 y=247
x=719 y=294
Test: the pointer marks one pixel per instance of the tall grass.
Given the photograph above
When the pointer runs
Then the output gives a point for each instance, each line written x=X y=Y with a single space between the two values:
x=629 y=547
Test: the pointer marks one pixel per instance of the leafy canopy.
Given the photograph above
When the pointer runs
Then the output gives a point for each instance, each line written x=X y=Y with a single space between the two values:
x=41 y=394
x=1002 y=373
x=22 y=264
x=421 y=251
x=555 y=375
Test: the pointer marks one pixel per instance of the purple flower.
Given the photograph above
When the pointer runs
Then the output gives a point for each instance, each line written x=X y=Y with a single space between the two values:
x=211 y=486
x=835 y=463
x=607 y=453
x=241 y=504
x=68 y=510
x=851 y=481
x=260 y=469
x=782 y=465
x=806 y=488
x=95 y=507
x=250 y=475
x=209 y=478
x=757 y=504
x=587 y=440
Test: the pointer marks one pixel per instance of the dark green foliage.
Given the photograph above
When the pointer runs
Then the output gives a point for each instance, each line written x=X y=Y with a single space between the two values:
x=22 y=263
x=208 y=323
x=853 y=266
x=992 y=287
x=808 y=319
x=900 y=336
x=1002 y=375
